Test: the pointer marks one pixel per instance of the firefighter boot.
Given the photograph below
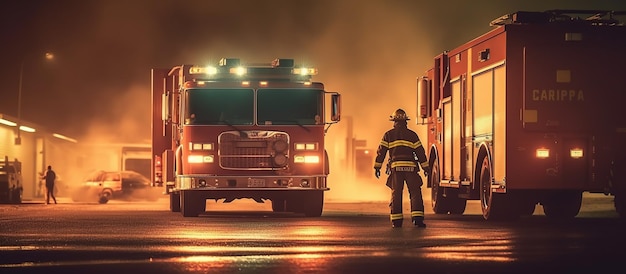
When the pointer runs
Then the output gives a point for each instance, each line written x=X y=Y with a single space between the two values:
x=419 y=222
x=396 y=223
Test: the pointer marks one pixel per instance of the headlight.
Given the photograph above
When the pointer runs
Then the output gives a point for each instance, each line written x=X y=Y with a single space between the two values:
x=200 y=146
x=198 y=159
x=306 y=146
x=307 y=159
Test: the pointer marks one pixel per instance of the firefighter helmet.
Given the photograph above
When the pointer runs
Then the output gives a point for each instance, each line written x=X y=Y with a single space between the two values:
x=399 y=115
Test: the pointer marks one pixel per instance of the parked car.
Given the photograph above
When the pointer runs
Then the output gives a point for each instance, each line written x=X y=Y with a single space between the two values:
x=120 y=185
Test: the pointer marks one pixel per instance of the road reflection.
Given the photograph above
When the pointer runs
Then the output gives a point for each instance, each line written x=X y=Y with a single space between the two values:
x=495 y=248
x=96 y=237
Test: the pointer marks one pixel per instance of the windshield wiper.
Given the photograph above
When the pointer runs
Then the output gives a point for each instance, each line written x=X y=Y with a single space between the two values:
x=242 y=133
x=293 y=122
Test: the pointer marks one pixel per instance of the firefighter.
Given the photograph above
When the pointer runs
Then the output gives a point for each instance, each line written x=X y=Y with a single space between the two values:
x=405 y=151
x=50 y=176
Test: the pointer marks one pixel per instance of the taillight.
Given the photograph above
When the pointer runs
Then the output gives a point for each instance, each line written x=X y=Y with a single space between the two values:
x=157 y=161
x=542 y=153
x=576 y=153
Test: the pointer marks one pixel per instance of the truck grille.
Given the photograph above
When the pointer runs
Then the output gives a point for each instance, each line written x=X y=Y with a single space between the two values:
x=253 y=150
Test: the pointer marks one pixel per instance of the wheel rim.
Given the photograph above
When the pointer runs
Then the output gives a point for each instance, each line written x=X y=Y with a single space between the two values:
x=485 y=186
x=434 y=182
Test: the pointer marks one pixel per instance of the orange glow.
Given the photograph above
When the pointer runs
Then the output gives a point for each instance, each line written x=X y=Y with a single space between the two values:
x=311 y=231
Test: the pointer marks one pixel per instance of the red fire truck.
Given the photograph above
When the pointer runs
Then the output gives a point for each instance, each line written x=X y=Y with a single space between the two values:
x=531 y=112
x=237 y=130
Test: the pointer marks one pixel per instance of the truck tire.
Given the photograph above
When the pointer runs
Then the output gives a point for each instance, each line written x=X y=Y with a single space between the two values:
x=191 y=204
x=175 y=201
x=562 y=205
x=16 y=197
x=495 y=206
x=437 y=199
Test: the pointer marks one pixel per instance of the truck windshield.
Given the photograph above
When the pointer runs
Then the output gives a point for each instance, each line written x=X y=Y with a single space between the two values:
x=289 y=106
x=220 y=107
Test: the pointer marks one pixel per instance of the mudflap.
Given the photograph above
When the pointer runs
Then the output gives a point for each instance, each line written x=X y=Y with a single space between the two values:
x=192 y=203
x=174 y=201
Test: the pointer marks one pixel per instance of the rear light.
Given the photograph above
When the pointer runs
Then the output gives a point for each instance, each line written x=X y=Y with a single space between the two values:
x=157 y=161
x=576 y=153
x=542 y=153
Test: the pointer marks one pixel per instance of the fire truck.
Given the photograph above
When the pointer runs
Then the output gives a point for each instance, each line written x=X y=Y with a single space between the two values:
x=235 y=130
x=10 y=181
x=531 y=112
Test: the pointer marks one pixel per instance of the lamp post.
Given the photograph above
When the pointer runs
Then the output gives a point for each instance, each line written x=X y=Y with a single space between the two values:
x=18 y=139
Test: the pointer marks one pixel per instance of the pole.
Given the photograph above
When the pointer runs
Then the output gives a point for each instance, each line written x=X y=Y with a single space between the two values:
x=18 y=139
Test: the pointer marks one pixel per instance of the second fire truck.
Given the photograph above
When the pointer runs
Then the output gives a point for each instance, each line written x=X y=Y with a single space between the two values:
x=531 y=112
x=235 y=130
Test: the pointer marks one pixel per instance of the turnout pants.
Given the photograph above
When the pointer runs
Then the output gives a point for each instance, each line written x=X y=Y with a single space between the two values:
x=414 y=184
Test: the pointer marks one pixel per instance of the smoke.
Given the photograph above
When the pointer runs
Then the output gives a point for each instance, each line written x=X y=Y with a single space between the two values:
x=370 y=51
x=124 y=116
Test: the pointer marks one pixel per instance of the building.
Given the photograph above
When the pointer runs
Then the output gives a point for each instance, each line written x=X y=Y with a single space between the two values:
x=37 y=147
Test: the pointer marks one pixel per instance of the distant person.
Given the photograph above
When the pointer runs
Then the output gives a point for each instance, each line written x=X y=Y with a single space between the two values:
x=406 y=155
x=50 y=176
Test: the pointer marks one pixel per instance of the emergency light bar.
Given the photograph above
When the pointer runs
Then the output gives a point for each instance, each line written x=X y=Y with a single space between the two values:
x=229 y=62
x=231 y=68
x=238 y=70
x=305 y=71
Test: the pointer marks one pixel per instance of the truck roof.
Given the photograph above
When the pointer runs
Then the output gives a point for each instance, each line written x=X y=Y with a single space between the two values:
x=592 y=17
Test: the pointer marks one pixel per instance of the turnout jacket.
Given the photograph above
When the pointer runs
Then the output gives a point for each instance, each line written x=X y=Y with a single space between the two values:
x=404 y=146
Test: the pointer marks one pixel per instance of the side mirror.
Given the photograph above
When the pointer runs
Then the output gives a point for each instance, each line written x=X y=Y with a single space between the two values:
x=423 y=97
x=335 y=111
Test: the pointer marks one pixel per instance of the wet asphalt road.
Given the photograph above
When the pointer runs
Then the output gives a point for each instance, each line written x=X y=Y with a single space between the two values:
x=350 y=237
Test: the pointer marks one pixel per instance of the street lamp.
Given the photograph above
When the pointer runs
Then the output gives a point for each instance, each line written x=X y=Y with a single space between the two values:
x=18 y=139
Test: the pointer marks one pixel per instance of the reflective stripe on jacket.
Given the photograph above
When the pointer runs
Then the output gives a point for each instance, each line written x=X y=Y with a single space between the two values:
x=403 y=145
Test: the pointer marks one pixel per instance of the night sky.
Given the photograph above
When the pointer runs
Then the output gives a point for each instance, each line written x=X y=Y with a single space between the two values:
x=99 y=81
